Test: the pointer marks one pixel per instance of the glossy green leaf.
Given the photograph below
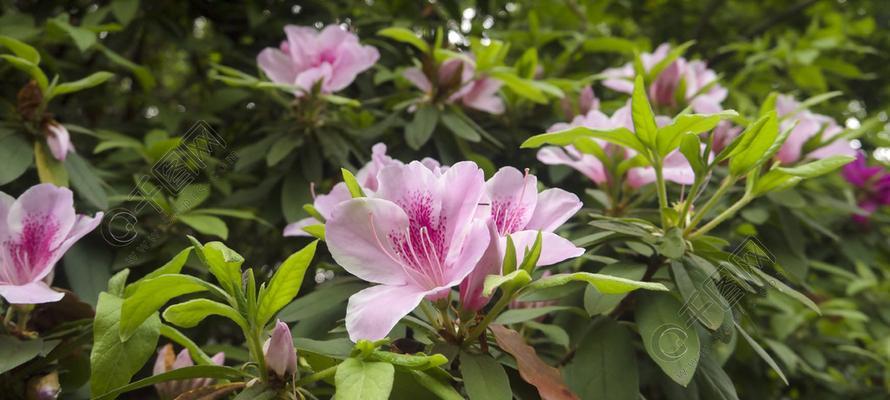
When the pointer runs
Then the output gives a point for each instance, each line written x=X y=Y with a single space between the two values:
x=484 y=378
x=604 y=365
x=16 y=154
x=20 y=49
x=206 y=224
x=668 y=338
x=606 y=284
x=405 y=36
x=642 y=115
x=510 y=282
x=818 y=167
x=363 y=380
x=421 y=127
x=151 y=295
x=285 y=283
x=620 y=136
x=94 y=79
x=190 y=313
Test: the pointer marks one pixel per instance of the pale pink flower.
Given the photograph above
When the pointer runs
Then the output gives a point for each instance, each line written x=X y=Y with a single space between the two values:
x=415 y=237
x=281 y=357
x=515 y=208
x=333 y=57
x=809 y=125
x=676 y=168
x=367 y=179
x=479 y=93
x=701 y=89
x=166 y=361
x=58 y=139
x=35 y=232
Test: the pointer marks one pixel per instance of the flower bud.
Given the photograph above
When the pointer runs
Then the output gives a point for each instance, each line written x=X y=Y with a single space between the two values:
x=281 y=357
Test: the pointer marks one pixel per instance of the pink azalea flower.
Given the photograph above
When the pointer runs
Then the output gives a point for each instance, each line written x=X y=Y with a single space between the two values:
x=809 y=125
x=516 y=208
x=367 y=179
x=332 y=56
x=479 y=93
x=166 y=362
x=873 y=183
x=676 y=168
x=701 y=91
x=58 y=139
x=281 y=357
x=415 y=237
x=35 y=232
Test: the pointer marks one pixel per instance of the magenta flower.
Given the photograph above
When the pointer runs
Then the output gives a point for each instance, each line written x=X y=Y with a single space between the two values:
x=58 y=139
x=415 y=237
x=281 y=357
x=366 y=177
x=701 y=91
x=809 y=125
x=479 y=93
x=873 y=183
x=333 y=57
x=516 y=208
x=166 y=362
x=676 y=168
x=35 y=232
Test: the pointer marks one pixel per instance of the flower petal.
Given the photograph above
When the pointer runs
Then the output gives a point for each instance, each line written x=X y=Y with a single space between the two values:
x=417 y=78
x=277 y=66
x=513 y=197
x=555 y=206
x=296 y=228
x=356 y=235
x=586 y=164
x=490 y=263
x=473 y=246
x=30 y=293
x=373 y=312
x=554 y=248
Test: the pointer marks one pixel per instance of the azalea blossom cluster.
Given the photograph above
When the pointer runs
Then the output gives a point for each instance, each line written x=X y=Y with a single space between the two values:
x=872 y=182
x=422 y=229
x=456 y=79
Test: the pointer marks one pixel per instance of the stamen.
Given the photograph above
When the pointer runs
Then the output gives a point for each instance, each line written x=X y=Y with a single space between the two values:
x=406 y=270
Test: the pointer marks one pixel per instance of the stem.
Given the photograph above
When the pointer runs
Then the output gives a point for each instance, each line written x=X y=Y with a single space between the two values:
x=662 y=194
x=479 y=329
x=688 y=201
x=253 y=342
x=700 y=214
x=729 y=212
x=323 y=374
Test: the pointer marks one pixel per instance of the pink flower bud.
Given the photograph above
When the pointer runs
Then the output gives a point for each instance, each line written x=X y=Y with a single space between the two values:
x=281 y=357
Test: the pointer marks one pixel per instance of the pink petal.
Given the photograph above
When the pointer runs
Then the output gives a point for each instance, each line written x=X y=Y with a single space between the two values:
x=351 y=59
x=483 y=96
x=373 y=312
x=490 y=263
x=513 y=196
x=839 y=147
x=279 y=351
x=296 y=228
x=555 y=206
x=460 y=189
x=58 y=140
x=325 y=203
x=357 y=239
x=472 y=248
x=554 y=248
x=586 y=164
x=417 y=77
x=29 y=293
x=277 y=66
x=307 y=79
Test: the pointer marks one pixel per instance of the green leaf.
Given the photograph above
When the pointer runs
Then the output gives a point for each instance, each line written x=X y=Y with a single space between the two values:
x=83 y=38
x=672 y=244
x=223 y=262
x=774 y=180
x=523 y=87
x=184 y=373
x=190 y=313
x=20 y=49
x=605 y=284
x=700 y=295
x=670 y=136
x=405 y=36
x=818 y=167
x=756 y=141
x=418 y=361
x=29 y=68
x=94 y=79
x=420 y=129
x=142 y=74
x=436 y=385
x=124 y=10
x=787 y=290
x=362 y=380
x=596 y=302
x=174 y=266
x=690 y=147
x=642 y=115
x=88 y=268
x=517 y=315
x=113 y=359
x=620 y=136
x=85 y=181
x=662 y=64
x=151 y=295
x=15 y=352
x=669 y=340
x=285 y=284
x=712 y=381
x=761 y=352
x=49 y=169
x=484 y=378
x=509 y=257
x=198 y=355
x=604 y=365
x=316 y=230
x=459 y=127
x=354 y=188
x=282 y=148
x=206 y=224
x=17 y=156
x=190 y=197
x=510 y=282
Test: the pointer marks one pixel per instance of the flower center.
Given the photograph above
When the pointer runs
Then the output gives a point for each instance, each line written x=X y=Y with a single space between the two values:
x=31 y=251
x=421 y=248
